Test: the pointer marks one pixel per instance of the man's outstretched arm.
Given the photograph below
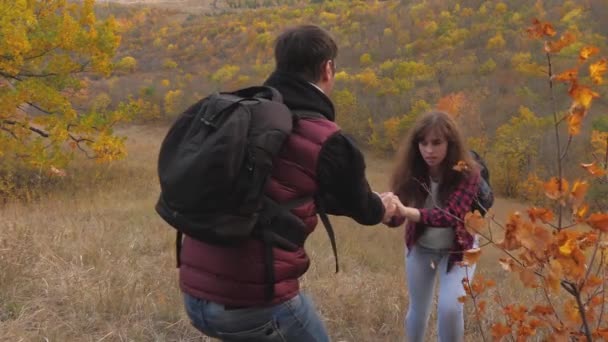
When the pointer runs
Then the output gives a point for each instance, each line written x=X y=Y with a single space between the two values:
x=344 y=188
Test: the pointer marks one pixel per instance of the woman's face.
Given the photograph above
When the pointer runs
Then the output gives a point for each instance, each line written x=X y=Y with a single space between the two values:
x=433 y=148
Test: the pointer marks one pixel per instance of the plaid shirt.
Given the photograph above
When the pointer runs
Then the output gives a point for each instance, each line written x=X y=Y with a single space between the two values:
x=451 y=215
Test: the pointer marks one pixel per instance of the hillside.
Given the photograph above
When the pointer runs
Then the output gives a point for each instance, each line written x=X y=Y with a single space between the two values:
x=396 y=59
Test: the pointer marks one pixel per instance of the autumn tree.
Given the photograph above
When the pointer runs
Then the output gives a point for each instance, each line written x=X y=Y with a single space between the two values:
x=388 y=135
x=558 y=252
x=126 y=64
x=353 y=118
x=44 y=47
x=516 y=145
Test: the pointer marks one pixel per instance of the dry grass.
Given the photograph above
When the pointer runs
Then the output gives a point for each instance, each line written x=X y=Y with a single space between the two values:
x=93 y=262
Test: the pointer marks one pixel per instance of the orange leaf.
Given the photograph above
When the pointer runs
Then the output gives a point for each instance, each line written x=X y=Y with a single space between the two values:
x=535 y=238
x=516 y=313
x=594 y=170
x=454 y=104
x=582 y=95
x=548 y=30
x=574 y=124
x=567 y=247
x=556 y=46
x=535 y=323
x=579 y=190
x=540 y=29
x=593 y=281
x=587 y=52
x=462 y=299
x=527 y=277
x=510 y=241
x=543 y=214
x=580 y=211
x=541 y=310
x=471 y=256
x=572 y=313
x=482 y=306
x=566 y=76
x=588 y=240
x=529 y=258
x=554 y=189
x=473 y=222
x=573 y=265
x=597 y=69
x=461 y=166
x=598 y=221
x=575 y=121
x=500 y=330
x=554 y=276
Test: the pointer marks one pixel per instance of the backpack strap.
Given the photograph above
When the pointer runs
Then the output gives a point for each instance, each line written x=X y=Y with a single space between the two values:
x=289 y=236
x=266 y=92
x=178 y=247
x=329 y=229
x=303 y=114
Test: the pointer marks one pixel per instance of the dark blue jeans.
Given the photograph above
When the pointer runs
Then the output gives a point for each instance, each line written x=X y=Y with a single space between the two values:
x=295 y=320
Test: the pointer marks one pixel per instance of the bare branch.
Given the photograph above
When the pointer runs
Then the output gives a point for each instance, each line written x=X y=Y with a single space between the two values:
x=9 y=132
x=78 y=141
x=599 y=320
x=581 y=309
x=546 y=294
x=597 y=244
x=557 y=139
x=33 y=129
x=566 y=148
x=474 y=298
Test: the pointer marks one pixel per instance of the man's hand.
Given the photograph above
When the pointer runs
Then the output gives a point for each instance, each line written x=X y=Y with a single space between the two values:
x=391 y=205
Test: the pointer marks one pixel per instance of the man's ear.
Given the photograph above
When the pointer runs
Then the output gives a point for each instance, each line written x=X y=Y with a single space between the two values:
x=327 y=70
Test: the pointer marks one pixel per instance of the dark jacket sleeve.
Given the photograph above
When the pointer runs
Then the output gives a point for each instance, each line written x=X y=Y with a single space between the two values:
x=344 y=189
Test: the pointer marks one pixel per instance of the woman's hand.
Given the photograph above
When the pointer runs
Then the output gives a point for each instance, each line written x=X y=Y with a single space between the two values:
x=409 y=213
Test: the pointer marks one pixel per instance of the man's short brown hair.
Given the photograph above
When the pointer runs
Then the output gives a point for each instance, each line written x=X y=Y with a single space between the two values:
x=303 y=50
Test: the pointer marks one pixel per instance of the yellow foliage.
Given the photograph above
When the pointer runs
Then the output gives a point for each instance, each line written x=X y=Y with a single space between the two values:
x=173 y=100
x=342 y=76
x=531 y=190
x=368 y=78
x=225 y=73
x=45 y=47
x=127 y=63
x=497 y=42
x=168 y=63
x=599 y=142
x=365 y=59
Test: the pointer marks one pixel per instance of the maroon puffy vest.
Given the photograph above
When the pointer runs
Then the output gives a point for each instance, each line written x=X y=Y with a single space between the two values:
x=235 y=276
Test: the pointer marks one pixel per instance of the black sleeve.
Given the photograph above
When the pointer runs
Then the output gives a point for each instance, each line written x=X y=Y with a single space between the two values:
x=343 y=186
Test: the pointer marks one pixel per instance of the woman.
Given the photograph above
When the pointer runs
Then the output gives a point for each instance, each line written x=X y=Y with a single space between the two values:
x=435 y=196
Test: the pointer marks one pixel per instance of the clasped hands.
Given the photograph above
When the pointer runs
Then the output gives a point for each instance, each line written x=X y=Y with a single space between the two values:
x=392 y=206
x=395 y=212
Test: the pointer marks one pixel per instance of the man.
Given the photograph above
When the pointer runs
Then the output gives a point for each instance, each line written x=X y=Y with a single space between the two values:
x=225 y=287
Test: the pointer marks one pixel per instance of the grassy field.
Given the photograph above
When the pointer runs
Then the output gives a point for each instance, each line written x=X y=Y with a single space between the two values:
x=91 y=261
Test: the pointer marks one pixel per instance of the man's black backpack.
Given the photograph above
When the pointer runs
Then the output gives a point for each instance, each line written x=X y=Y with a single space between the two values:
x=213 y=166
x=215 y=160
x=485 y=196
